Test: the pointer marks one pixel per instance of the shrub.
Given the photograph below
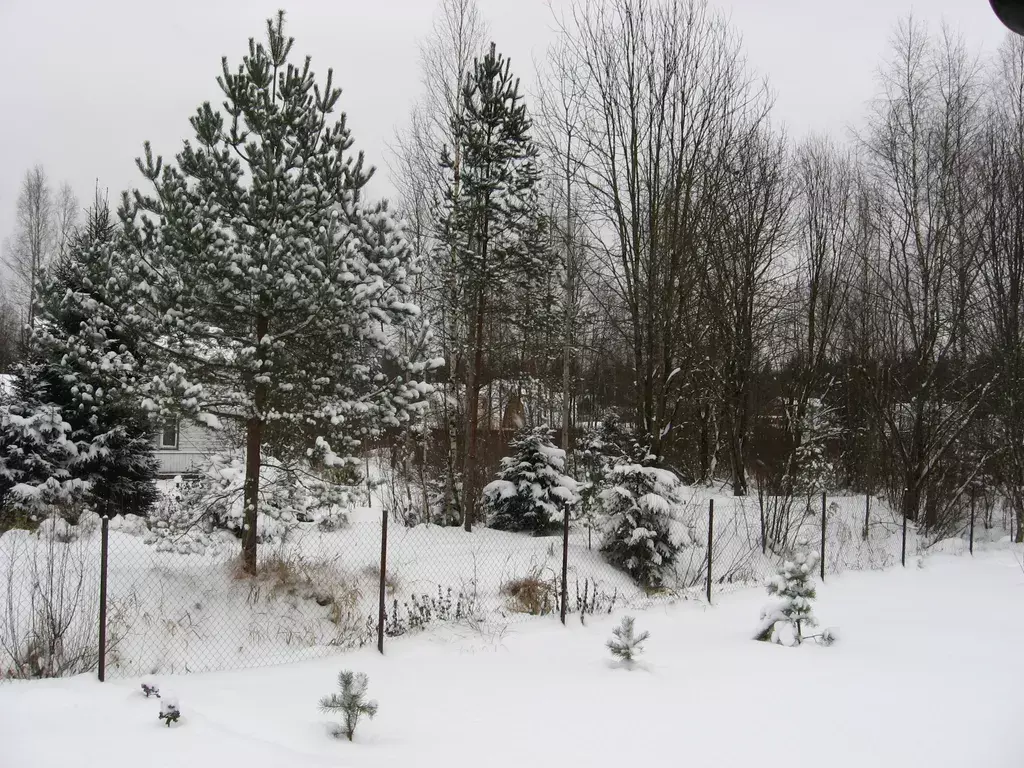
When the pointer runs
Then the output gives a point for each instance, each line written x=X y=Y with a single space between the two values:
x=48 y=625
x=531 y=594
x=169 y=710
x=422 y=610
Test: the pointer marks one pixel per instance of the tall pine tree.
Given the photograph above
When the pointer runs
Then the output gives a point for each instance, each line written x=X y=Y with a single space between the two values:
x=492 y=230
x=269 y=294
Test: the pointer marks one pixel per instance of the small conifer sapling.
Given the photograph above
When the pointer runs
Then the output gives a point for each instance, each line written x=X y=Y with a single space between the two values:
x=150 y=688
x=351 y=702
x=784 y=622
x=625 y=644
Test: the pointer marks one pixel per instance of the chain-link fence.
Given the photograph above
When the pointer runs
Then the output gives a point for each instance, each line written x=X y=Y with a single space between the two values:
x=176 y=604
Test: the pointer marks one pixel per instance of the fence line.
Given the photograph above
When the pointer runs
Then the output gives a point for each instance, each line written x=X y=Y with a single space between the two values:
x=138 y=604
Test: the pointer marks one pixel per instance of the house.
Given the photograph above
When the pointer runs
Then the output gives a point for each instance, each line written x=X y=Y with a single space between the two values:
x=183 y=446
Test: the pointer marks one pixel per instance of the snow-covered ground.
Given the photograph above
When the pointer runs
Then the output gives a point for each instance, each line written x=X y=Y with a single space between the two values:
x=926 y=672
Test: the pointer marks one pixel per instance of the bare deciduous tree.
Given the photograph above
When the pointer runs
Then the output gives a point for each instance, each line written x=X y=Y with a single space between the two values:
x=922 y=148
x=30 y=248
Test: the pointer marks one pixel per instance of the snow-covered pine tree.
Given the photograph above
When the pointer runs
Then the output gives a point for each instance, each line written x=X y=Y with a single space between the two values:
x=492 y=244
x=636 y=507
x=532 y=491
x=625 y=644
x=269 y=294
x=84 y=363
x=783 y=622
x=351 y=702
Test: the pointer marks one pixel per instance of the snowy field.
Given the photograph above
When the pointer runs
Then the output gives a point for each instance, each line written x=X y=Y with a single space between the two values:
x=926 y=672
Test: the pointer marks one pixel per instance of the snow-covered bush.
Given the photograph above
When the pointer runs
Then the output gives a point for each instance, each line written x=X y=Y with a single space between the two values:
x=532 y=491
x=176 y=525
x=625 y=644
x=169 y=710
x=351 y=702
x=636 y=510
x=56 y=528
x=784 y=621
x=132 y=525
x=189 y=515
x=88 y=523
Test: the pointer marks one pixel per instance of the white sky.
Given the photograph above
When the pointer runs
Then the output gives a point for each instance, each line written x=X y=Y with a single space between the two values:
x=85 y=82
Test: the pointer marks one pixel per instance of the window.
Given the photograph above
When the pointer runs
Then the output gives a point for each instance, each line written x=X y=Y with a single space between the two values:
x=169 y=434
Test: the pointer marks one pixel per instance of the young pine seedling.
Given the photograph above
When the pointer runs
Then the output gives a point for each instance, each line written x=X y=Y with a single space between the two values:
x=351 y=702
x=625 y=645
x=149 y=688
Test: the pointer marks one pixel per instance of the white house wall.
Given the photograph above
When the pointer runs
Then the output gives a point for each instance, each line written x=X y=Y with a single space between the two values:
x=195 y=444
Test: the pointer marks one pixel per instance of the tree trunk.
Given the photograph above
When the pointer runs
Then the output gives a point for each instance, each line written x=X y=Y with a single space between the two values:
x=253 y=443
x=473 y=414
x=253 y=459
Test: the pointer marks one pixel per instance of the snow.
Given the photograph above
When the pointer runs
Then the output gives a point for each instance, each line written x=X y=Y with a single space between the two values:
x=904 y=686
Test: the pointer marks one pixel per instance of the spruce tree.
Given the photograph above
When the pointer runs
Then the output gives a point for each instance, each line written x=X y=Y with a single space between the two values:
x=269 y=293
x=636 y=507
x=532 y=491
x=597 y=451
x=86 y=364
x=37 y=459
x=492 y=233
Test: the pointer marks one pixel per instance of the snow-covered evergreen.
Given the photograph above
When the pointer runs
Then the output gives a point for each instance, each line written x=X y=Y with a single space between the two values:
x=351 y=702
x=625 y=644
x=785 y=620
x=269 y=294
x=37 y=461
x=597 y=450
x=636 y=509
x=492 y=256
x=85 y=362
x=532 y=491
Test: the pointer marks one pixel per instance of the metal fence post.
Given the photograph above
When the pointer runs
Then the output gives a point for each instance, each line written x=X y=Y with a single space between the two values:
x=867 y=514
x=711 y=540
x=764 y=531
x=903 y=545
x=972 y=521
x=104 y=538
x=824 y=500
x=382 y=608
x=565 y=561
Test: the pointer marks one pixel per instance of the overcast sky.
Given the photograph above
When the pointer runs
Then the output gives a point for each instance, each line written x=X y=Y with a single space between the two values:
x=86 y=82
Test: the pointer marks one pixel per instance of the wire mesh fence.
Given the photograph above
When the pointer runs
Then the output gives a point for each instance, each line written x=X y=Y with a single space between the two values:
x=175 y=605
